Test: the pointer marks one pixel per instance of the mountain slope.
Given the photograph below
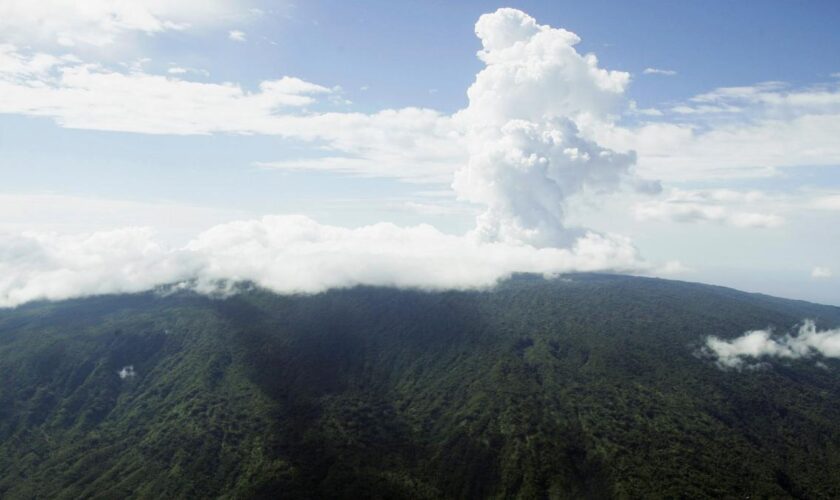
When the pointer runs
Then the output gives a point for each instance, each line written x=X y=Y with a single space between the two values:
x=590 y=385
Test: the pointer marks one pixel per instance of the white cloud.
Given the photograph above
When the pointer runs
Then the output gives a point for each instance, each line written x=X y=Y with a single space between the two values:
x=411 y=143
x=286 y=254
x=777 y=96
x=88 y=96
x=731 y=132
x=720 y=206
x=821 y=272
x=296 y=254
x=50 y=266
x=127 y=372
x=518 y=137
x=657 y=71
x=755 y=220
x=633 y=109
x=538 y=73
x=520 y=130
x=827 y=202
x=102 y=22
x=432 y=208
x=538 y=131
x=525 y=171
x=16 y=66
x=179 y=70
x=735 y=132
x=527 y=155
x=237 y=36
x=673 y=268
x=757 y=344
x=705 y=109
x=518 y=140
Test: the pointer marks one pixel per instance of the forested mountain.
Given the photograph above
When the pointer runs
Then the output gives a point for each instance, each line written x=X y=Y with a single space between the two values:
x=581 y=386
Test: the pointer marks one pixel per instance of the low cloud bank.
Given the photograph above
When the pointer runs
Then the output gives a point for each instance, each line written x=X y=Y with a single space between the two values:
x=755 y=345
x=285 y=254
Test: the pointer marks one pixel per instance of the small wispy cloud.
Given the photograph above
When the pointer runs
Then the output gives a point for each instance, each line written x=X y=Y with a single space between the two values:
x=828 y=202
x=673 y=268
x=659 y=71
x=718 y=206
x=757 y=344
x=104 y=23
x=127 y=372
x=178 y=70
x=237 y=36
x=820 y=272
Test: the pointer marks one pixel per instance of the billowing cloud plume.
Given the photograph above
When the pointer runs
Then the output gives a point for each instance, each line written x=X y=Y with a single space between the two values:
x=533 y=72
x=286 y=254
x=755 y=345
x=527 y=155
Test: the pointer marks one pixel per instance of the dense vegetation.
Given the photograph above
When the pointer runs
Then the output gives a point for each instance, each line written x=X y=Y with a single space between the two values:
x=586 y=386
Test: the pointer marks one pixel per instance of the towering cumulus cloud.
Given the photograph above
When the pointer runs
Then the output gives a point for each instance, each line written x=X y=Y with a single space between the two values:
x=526 y=153
x=526 y=158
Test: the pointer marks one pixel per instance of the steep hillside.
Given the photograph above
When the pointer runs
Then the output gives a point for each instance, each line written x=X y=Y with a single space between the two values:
x=585 y=386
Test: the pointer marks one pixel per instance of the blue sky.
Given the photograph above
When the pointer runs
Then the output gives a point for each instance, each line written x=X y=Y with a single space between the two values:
x=731 y=108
